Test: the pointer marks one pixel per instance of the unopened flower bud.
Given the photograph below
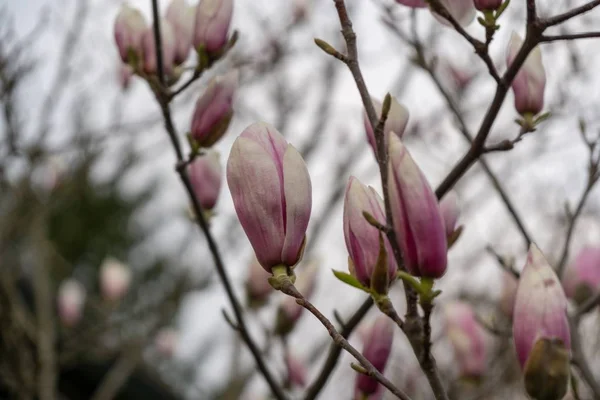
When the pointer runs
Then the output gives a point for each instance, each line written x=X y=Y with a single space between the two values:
x=166 y=341
x=530 y=82
x=396 y=122
x=213 y=110
x=125 y=75
x=582 y=277
x=418 y=223
x=463 y=11
x=377 y=349
x=213 y=18
x=168 y=49
x=487 y=5
x=115 y=278
x=509 y=292
x=289 y=312
x=272 y=194
x=541 y=330
x=296 y=371
x=206 y=176
x=129 y=28
x=70 y=300
x=467 y=338
x=450 y=211
x=258 y=288
x=182 y=19
x=362 y=239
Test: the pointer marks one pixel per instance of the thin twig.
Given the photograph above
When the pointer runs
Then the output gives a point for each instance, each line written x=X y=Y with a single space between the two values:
x=578 y=358
x=118 y=375
x=572 y=36
x=559 y=19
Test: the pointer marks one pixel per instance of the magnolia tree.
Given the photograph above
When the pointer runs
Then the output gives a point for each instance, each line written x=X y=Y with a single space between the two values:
x=430 y=337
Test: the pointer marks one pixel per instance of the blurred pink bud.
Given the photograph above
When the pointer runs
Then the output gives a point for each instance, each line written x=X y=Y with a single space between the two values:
x=362 y=239
x=289 y=311
x=168 y=48
x=129 y=27
x=463 y=12
x=181 y=16
x=417 y=219
x=213 y=110
x=301 y=9
x=377 y=349
x=213 y=18
x=166 y=341
x=487 y=5
x=205 y=176
x=115 y=278
x=509 y=292
x=582 y=277
x=70 y=300
x=125 y=75
x=413 y=3
x=450 y=211
x=258 y=287
x=540 y=306
x=396 y=122
x=467 y=338
x=530 y=82
x=296 y=371
x=272 y=194
x=461 y=77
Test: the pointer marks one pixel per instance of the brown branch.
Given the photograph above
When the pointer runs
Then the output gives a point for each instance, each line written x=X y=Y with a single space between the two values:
x=572 y=36
x=559 y=19
x=118 y=375
x=578 y=358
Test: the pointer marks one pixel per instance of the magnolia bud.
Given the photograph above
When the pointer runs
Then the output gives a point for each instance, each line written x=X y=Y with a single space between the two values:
x=530 y=82
x=413 y=3
x=509 y=291
x=396 y=122
x=377 y=349
x=418 y=223
x=166 y=341
x=362 y=239
x=125 y=75
x=450 y=211
x=296 y=371
x=213 y=110
x=467 y=338
x=487 y=5
x=182 y=19
x=70 y=300
x=463 y=11
x=168 y=49
x=582 y=277
x=289 y=311
x=272 y=194
x=258 y=287
x=128 y=30
x=540 y=328
x=115 y=278
x=205 y=176
x=212 y=24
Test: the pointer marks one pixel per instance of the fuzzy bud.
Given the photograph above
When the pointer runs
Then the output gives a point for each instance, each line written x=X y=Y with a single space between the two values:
x=463 y=12
x=296 y=371
x=396 y=122
x=582 y=277
x=258 y=288
x=450 y=211
x=509 y=292
x=168 y=49
x=129 y=28
x=377 y=349
x=467 y=338
x=213 y=18
x=115 y=278
x=206 y=175
x=70 y=300
x=182 y=19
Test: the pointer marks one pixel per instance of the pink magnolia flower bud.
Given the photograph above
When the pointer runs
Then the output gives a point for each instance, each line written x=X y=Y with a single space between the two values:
x=413 y=3
x=205 y=175
x=212 y=24
x=540 y=306
x=129 y=27
x=182 y=19
x=166 y=341
x=115 y=278
x=467 y=338
x=258 y=287
x=396 y=122
x=463 y=12
x=377 y=349
x=125 y=75
x=168 y=48
x=362 y=239
x=213 y=110
x=509 y=292
x=70 y=300
x=450 y=211
x=530 y=82
x=272 y=194
x=289 y=312
x=487 y=5
x=582 y=277
x=296 y=371
x=418 y=223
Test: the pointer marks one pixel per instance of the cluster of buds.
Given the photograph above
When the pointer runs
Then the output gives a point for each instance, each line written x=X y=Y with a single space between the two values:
x=463 y=11
x=70 y=301
x=289 y=312
x=541 y=329
x=203 y=27
x=396 y=122
x=582 y=277
x=206 y=175
x=376 y=349
x=467 y=338
x=115 y=278
x=272 y=194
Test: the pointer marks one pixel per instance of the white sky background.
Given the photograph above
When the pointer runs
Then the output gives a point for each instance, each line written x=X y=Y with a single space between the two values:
x=543 y=171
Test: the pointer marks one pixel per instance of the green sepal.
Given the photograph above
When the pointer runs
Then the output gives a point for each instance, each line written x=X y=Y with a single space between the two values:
x=349 y=280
